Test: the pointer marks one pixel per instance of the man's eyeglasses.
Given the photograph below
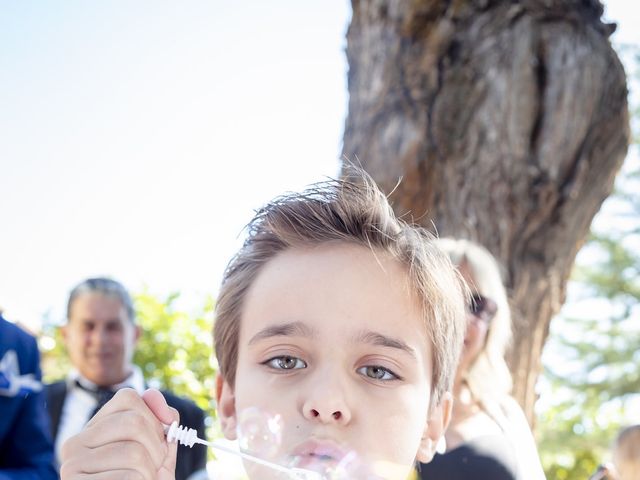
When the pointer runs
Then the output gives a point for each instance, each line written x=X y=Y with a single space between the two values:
x=482 y=308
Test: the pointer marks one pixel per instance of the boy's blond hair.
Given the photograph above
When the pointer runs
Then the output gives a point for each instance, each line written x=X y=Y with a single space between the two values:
x=626 y=453
x=356 y=212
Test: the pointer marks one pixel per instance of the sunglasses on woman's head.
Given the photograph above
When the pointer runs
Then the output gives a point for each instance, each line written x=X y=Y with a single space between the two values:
x=482 y=307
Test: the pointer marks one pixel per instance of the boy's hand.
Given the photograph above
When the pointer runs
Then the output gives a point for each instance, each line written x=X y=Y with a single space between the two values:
x=124 y=440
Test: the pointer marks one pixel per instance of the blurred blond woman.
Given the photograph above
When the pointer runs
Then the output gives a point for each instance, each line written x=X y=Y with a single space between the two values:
x=489 y=437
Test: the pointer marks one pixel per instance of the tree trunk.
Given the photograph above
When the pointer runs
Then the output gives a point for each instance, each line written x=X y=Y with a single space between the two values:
x=506 y=121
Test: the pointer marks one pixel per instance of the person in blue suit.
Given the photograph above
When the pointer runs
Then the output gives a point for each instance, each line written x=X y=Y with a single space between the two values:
x=26 y=449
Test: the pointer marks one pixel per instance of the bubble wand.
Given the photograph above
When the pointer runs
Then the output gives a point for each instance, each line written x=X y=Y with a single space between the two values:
x=189 y=437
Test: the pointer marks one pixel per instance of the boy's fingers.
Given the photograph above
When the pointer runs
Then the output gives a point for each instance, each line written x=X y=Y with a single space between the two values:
x=125 y=436
x=122 y=427
x=129 y=455
x=158 y=405
x=167 y=415
x=167 y=472
x=128 y=400
x=111 y=475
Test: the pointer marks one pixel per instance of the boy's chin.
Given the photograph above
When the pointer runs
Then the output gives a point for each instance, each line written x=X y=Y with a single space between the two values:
x=329 y=467
x=325 y=469
x=351 y=467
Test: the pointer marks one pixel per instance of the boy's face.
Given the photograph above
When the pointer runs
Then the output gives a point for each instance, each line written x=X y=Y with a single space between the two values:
x=333 y=340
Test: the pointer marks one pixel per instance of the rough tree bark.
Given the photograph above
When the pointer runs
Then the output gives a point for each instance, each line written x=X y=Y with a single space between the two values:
x=506 y=120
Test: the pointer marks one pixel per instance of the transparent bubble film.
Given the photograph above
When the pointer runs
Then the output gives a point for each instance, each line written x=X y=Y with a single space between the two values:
x=259 y=433
x=260 y=442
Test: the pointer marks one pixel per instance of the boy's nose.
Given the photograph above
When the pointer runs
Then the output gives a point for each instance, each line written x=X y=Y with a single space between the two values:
x=327 y=416
x=327 y=406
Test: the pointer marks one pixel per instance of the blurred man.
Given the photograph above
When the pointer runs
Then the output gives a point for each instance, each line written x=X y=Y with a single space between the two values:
x=26 y=451
x=100 y=336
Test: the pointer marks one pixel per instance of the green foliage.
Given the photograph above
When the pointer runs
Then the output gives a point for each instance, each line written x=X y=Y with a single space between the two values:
x=584 y=464
x=175 y=349
x=598 y=375
x=55 y=361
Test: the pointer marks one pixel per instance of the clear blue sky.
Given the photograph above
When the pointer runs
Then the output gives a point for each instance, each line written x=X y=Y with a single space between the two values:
x=136 y=138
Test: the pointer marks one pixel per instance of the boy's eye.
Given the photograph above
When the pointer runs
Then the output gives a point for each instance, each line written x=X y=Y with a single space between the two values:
x=377 y=373
x=286 y=362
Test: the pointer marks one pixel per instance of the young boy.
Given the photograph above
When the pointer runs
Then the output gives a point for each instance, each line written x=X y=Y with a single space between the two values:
x=335 y=315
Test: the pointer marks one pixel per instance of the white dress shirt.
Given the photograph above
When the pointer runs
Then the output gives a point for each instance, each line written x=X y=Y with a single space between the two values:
x=79 y=404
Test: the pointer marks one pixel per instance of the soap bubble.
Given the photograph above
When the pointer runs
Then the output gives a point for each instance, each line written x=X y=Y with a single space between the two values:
x=350 y=467
x=259 y=433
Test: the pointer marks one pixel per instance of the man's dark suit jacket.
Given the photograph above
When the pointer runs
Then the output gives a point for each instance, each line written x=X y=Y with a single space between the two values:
x=189 y=459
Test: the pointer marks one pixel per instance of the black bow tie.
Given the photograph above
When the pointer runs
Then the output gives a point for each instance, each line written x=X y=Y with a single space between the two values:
x=101 y=394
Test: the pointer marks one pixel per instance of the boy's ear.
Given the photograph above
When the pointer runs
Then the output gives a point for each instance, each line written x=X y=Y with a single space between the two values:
x=437 y=423
x=226 y=408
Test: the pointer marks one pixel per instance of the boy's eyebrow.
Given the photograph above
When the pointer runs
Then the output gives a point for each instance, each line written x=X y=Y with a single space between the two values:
x=375 y=338
x=298 y=329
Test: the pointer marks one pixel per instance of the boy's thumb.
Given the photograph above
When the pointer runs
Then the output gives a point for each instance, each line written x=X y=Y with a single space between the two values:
x=158 y=405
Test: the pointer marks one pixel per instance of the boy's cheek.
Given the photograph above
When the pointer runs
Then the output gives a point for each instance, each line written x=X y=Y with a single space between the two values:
x=229 y=429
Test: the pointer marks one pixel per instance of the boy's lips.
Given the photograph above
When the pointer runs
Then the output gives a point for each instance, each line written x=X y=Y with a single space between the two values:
x=317 y=451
